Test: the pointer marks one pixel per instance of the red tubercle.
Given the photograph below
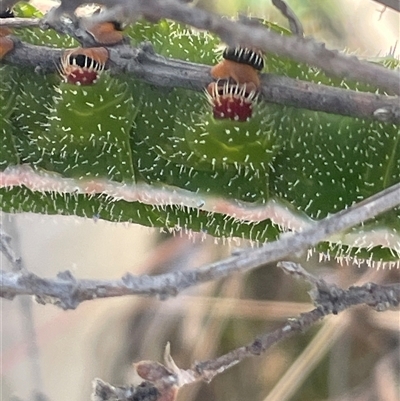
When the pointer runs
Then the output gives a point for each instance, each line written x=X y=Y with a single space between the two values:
x=83 y=66
x=80 y=76
x=233 y=108
x=231 y=101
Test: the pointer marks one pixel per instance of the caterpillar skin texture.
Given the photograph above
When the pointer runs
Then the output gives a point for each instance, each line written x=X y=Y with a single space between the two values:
x=8 y=88
x=89 y=127
x=310 y=164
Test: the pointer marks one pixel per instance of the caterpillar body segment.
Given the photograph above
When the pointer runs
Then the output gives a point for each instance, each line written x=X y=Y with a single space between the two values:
x=89 y=130
x=8 y=88
x=174 y=40
x=165 y=116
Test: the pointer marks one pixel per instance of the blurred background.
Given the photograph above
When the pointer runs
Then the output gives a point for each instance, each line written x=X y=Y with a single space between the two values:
x=353 y=356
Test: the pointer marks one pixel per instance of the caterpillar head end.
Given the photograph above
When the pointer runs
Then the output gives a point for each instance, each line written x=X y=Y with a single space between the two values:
x=83 y=66
x=232 y=101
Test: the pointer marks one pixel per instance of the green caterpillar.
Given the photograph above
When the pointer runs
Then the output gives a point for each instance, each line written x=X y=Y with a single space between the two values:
x=310 y=164
x=336 y=160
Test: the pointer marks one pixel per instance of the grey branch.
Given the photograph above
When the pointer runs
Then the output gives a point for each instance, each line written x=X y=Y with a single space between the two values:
x=20 y=22
x=103 y=391
x=154 y=69
x=68 y=292
x=294 y=23
x=248 y=34
x=393 y=4
x=333 y=299
x=305 y=50
x=7 y=251
x=329 y=299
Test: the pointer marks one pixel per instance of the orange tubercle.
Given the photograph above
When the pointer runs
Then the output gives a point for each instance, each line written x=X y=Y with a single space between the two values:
x=6 y=45
x=4 y=31
x=241 y=73
x=106 y=33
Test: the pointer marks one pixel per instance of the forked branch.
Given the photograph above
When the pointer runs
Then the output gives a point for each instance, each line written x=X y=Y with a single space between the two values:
x=165 y=380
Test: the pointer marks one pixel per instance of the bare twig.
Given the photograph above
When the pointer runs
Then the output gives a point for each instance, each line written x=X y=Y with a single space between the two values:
x=157 y=70
x=330 y=299
x=67 y=292
x=336 y=300
x=294 y=23
x=103 y=391
x=331 y=331
x=28 y=320
x=296 y=270
x=7 y=250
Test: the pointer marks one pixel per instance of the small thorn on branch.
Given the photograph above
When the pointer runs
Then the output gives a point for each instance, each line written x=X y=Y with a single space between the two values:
x=8 y=252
